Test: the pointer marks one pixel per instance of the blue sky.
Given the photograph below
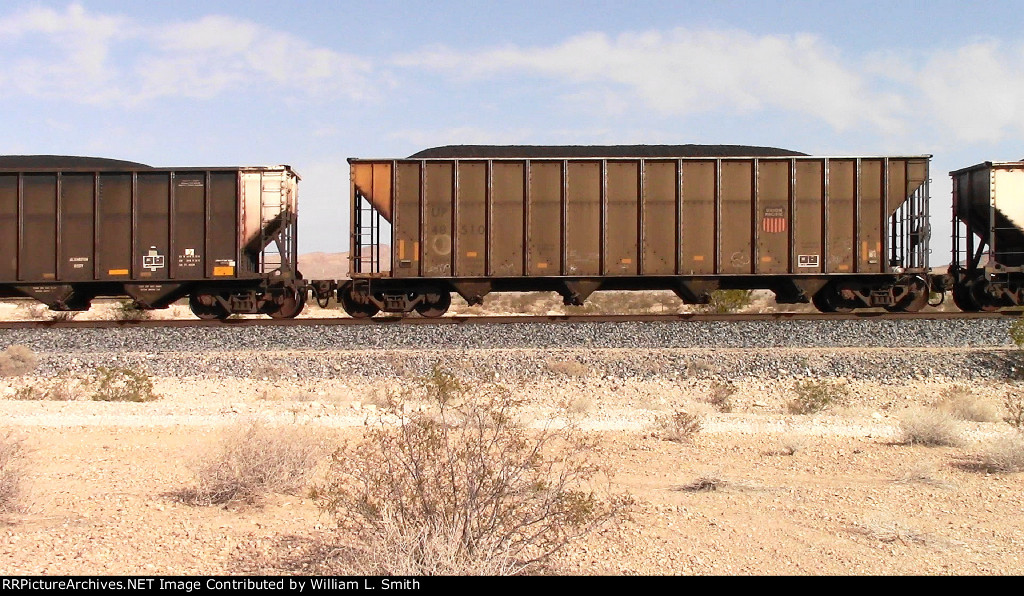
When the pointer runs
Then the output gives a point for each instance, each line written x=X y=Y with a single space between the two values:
x=312 y=83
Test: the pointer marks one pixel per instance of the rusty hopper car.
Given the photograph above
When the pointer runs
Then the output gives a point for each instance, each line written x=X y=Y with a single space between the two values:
x=843 y=232
x=987 y=270
x=72 y=229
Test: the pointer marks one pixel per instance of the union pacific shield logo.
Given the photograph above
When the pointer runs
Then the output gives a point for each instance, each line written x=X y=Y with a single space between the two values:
x=774 y=220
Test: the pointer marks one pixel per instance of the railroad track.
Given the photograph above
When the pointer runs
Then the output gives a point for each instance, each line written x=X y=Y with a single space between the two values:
x=502 y=320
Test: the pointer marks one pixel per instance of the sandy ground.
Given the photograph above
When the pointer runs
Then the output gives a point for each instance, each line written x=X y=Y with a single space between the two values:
x=831 y=493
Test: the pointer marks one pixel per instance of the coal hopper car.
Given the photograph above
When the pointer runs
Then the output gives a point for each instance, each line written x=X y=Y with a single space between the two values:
x=842 y=232
x=987 y=267
x=73 y=229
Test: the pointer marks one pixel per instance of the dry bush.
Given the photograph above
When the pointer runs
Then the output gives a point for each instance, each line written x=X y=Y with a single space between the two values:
x=1005 y=454
x=580 y=405
x=961 y=403
x=569 y=368
x=790 y=444
x=728 y=301
x=57 y=389
x=815 y=396
x=885 y=529
x=463 y=489
x=12 y=472
x=929 y=426
x=721 y=396
x=706 y=483
x=254 y=460
x=17 y=360
x=123 y=384
x=1014 y=403
x=270 y=371
x=680 y=427
x=130 y=310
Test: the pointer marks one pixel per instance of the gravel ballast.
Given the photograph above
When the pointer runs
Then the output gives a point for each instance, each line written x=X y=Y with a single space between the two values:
x=955 y=349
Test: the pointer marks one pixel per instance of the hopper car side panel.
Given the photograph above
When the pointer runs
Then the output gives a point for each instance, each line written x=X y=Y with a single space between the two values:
x=575 y=225
x=70 y=235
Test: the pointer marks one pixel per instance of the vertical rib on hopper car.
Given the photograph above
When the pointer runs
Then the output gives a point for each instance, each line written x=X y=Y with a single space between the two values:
x=223 y=236
x=845 y=232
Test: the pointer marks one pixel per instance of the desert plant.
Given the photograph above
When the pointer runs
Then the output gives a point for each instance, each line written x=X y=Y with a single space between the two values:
x=1017 y=333
x=814 y=396
x=569 y=368
x=464 y=488
x=727 y=301
x=1014 y=403
x=720 y=396
x=929 y=426
x=253 y=461
x=59 y=389
x=790 y=444
x=960 y=402
x=680 y=427
x=12 y=471
x=1005 y=454
x=17 y=360
x=130 y=310
x=123 y=384
x=706 y=483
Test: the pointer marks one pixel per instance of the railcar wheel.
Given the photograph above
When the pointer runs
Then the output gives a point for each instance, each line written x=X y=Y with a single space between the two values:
x=207 y=312
x=820 y=301
x=356 y=310
x=915 y=300
x=434 y=304
x=982 y=298
x=290 y=306
x=830 y=299
x=962 y=298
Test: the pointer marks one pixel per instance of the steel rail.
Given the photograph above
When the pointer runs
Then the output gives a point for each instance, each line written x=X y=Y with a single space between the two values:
x=505 y=320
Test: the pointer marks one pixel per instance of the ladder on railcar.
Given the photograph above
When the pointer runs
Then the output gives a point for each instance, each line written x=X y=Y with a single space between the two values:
x=366 y=238
x=276 y=224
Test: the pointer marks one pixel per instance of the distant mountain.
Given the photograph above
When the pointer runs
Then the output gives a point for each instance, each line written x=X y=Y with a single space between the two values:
x=330 y=265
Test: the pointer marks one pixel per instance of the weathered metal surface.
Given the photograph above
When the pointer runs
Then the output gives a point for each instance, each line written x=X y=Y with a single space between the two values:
x=607 y=217
x=100 y=230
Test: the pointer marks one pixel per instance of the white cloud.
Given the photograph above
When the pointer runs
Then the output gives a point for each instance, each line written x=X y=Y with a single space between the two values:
x=976 y=92
x=683 y=71
x=112 y=60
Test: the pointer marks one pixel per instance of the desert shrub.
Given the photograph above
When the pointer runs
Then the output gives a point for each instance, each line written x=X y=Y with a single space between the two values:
x=12 y=471
x=961 y=403
x=254 y=460
x=130 y=310
x=17 y=360
x=929 y=426
x=727 y=301
x=569 y=368
x=58 y=389
x=1005 y=454
x=720 y=396
x=1014 y=403
x=463 y=488
x=580 y=405
x=680 y=427
x=790 y=444
x=703 y=484
x=1017 y=333
x=814 y=396
x=270 y=371
x=123 y=384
